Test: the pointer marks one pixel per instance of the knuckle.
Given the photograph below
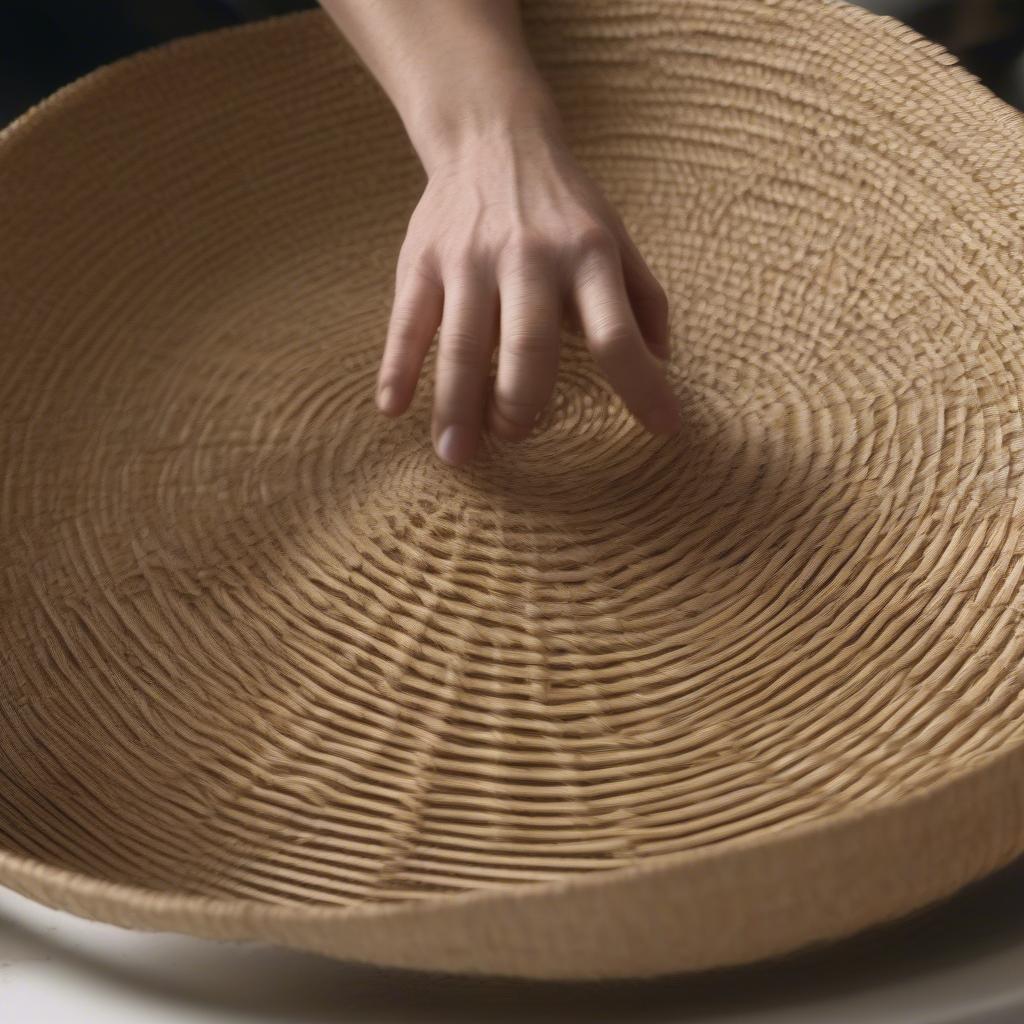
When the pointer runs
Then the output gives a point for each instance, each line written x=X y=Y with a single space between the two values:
x=528 y=248
x=404 y=328
x=412 y=259
x=461 y=348
x=464 y=260
x=528 y=344
x=611 y=339
x=593 y=241
x=516 y=413
x=516 y=407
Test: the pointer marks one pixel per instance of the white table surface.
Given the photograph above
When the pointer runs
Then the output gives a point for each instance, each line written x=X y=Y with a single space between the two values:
x=960 y=963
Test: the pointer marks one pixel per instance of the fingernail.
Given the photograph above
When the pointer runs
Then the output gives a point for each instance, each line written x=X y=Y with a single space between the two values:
x=454 y=445
x=386 y=399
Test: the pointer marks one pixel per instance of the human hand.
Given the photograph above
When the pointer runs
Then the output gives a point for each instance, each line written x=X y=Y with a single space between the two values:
x=509 y=238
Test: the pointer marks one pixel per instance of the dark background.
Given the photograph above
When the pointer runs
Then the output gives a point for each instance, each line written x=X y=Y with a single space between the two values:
x=46 y=43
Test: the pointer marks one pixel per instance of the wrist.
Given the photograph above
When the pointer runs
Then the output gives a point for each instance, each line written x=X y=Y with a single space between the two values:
x=516 y=111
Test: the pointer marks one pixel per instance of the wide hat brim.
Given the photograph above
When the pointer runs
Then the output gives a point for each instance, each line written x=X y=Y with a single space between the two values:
x=602 y=704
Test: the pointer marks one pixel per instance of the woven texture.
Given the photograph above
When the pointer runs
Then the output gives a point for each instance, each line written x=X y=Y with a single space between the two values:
x=601 y=704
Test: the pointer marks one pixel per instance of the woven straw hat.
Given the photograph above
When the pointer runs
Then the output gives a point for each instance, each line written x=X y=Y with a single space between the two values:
x=601 y=704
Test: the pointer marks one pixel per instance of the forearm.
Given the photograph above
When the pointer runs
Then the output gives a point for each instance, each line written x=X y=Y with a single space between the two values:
x=457 y=71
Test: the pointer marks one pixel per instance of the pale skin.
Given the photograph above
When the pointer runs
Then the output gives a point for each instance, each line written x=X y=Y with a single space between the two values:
x=510 y=238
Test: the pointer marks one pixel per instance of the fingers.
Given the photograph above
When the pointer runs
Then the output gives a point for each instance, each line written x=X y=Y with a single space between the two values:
x=528 y=354
x=415 y=316
x=615 y=341
x=650 y=304
x=612 y=296
x=463 y=365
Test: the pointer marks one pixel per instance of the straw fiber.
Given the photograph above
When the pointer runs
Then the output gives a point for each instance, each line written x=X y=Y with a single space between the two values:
x=602 y=704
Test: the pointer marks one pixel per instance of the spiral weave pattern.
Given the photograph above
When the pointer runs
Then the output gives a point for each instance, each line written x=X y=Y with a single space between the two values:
x=268 y=668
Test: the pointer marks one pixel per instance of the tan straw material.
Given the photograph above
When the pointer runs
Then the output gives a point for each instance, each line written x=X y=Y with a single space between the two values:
x=602 y=704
